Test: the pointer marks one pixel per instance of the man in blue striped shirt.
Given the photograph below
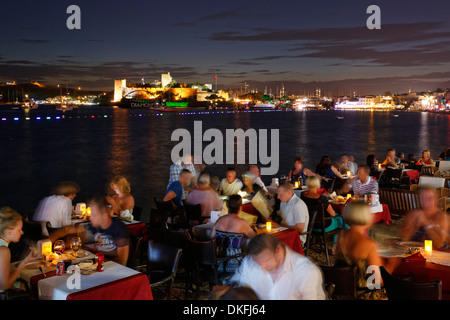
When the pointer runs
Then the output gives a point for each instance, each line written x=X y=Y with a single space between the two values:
x=363 y=183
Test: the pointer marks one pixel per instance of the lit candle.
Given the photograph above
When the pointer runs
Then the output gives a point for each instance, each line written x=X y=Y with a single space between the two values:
x=428 y=247
x=296 y=184
x=349 y=195
x=45 y=245
x=379 y=166
x=88 y=211
x=268 y=226
x=348 y=173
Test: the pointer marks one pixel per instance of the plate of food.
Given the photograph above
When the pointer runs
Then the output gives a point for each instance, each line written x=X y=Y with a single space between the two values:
x=340 y=200
x=87 y=267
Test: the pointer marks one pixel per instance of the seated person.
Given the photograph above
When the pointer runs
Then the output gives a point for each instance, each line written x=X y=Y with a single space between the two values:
x=372 y=163
x=249 y=185
x=411 y=158
x=311 y=198
x=294 y=212
x=175 y=190
x=230 y=232
x=327 y=170
x=239 y=293
x=258 y=181
x=10 y=231
x=110 y=235
x=230 y=185
x=352 y=164
x=363 y=183
x=299 y=172
x=122 y=199
x=342 y=187
x=57 y=209
x=425 y=160
x=231 y=221
x=428 y=222
x=355 y=248
x=391 y=159
x=204 y=195
x=275 y=272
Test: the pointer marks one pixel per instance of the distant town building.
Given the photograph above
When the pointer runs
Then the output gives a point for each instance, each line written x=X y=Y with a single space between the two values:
x=166 y=79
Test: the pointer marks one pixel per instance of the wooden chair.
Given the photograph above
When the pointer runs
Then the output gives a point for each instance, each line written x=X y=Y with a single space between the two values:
x=162 y=264
x=180 y=239
x=399 y=289
x=14 y=294
x=320 y=224
x=169 y=211
x=344 y=279
x=204 y=264
x=429 y=171
x=157 y=224
x=193 y=214
x=308 y=232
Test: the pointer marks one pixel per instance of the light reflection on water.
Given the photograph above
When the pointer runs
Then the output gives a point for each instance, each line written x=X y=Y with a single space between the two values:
x=35 y=155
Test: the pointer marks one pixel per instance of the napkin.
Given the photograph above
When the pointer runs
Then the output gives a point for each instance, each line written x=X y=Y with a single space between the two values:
x=418 y=257
x=127 y=215
x=333 y=195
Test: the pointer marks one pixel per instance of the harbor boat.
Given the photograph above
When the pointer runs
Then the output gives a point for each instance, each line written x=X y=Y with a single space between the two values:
x=65 y=107
x=29 y=104
x=263 y=105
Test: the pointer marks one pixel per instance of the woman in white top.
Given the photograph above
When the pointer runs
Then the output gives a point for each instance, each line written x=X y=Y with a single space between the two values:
x=10 y=231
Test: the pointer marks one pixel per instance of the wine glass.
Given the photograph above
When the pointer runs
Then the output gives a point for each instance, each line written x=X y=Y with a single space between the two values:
x=283 y=177
x=75 y=245
x=59 y=246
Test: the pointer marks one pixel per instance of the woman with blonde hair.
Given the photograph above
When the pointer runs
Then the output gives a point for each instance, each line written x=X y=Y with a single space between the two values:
x=355 y=248
x=10 y=231
x=425 y=159
x=312 y=199
x=122 y=200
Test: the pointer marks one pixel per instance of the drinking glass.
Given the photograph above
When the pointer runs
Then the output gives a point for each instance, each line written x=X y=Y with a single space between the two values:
x=75 y=244
x=59 y=246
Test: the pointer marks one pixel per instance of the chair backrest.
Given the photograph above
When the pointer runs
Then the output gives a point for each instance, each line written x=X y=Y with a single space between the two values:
x=164 y=205
x=157 y=219
x=137 y=213
x=417 y=167
x=176 y=238
x=428 y=170
x=319 y=217
x=204 y=252
x=162 y=257
x=399 y=201
x=399 y=289
x=393 y=174
x=193 y=211
x=444 y=165
x=225 y=240
x=434 y=182
x=344 y=279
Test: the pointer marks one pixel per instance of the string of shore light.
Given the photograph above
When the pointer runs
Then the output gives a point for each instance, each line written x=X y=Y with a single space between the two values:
x=60 y=117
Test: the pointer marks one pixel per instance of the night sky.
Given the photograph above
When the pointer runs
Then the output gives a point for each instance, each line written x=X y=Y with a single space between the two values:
x=301 y=44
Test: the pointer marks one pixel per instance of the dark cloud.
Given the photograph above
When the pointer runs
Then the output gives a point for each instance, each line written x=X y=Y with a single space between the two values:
x=35 y=41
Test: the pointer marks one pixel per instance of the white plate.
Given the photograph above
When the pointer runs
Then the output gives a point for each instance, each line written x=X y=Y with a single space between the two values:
x=35 y=265
x=409 y=244
x=389 y=253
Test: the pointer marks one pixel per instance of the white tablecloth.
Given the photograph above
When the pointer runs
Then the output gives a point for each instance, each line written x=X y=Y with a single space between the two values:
x=55 y=288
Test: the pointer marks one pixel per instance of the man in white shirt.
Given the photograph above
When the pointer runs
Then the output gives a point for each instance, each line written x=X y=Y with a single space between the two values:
x=275 y=272
x=294 y=212
x=57 y=209
x=230 y=185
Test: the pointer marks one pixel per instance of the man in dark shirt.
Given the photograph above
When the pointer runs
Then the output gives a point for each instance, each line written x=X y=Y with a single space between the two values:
x=110 y=235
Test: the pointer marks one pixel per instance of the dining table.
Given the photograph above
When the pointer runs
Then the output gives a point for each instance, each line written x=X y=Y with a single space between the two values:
x=289 y=237
x=380 y=211
x=422 y=267
x=115 y=282
x=413 y=175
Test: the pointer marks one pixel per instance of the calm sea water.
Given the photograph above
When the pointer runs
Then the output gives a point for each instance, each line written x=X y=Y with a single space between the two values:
x=92 y=144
